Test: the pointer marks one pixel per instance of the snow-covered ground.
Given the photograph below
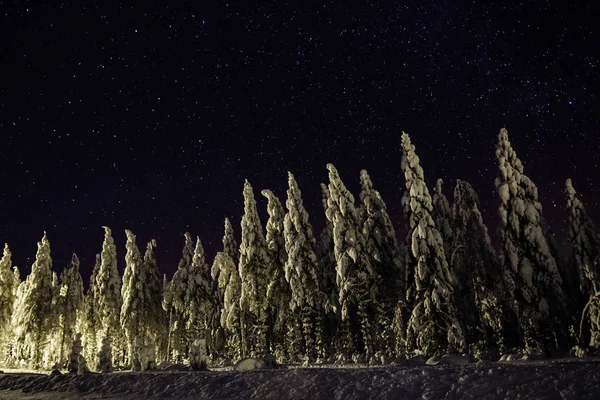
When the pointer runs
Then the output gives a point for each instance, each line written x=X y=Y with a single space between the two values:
x=560 y=379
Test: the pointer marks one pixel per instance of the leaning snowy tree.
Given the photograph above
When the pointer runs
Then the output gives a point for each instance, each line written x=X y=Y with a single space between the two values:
x=175 y=306
x=32 y=319
x=386 y=259
x=359 y=296
x=254 y=258
x=108 y=297
x=530 y=267
x=586 y=259
x=7 y=298
x=485 y=305
x=278 y=290
x=231 y=285
x=302 y=273
x=69 y=303
x=433 y=326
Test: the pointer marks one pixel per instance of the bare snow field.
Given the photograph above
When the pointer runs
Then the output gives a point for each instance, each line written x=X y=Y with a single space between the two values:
x=558 y=379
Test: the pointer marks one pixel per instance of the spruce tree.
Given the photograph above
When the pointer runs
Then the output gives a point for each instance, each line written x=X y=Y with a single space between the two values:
x=200 y=300
x=485 y=306
x=132 y=292
x=586 y=260
x=382 y=247
x=327 y=278
x=7 y=296
x=433 y=326
x=356 y=280
x=89 y=318
x=176 y=301
x=154 y=316
x=533 y=270
x=69 y=303
x=302 y=273
x=231 y=285
x=108 y=296
x=278 y=290
x=33 y=315
x=252 y=268
x=230 y=247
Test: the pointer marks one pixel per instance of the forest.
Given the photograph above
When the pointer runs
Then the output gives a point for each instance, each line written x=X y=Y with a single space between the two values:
x=354 y=293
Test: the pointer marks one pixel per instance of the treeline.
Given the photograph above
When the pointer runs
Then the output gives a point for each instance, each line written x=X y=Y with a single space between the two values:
x=352 y=293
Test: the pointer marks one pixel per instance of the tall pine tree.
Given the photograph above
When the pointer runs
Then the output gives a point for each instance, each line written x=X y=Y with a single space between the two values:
x=69 y=303
x=254 y=259
x=108 y=297
x=302 y=273
x=7 y=297
x=533 y=270
x=278 y=290
x=33 y=315
x=433 y=326
x=355 y=277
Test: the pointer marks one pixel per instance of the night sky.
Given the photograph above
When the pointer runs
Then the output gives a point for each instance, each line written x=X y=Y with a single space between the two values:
x=149 y=117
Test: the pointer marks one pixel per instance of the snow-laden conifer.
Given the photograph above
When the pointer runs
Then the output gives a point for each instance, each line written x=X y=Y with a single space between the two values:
x=382 y=247
x=32 y=319
x=586 y=257
x=252 y=269
x=200 y=299
x=327 y=278
x=433 y=325
x=527 y=257
x=302 y=272
x=69 y=303
x=89 y=318
x=278 y=289
x=485 y=306
x=358 y=295
x=141 y=312
x=231 y=285
x=176 y=294
x=7 y=296
x=108 y=293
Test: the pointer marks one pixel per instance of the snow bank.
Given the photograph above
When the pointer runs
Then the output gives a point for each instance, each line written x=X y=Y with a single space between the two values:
x=565 y=379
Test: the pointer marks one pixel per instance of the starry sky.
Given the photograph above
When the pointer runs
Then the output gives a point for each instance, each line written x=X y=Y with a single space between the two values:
x=150 y=115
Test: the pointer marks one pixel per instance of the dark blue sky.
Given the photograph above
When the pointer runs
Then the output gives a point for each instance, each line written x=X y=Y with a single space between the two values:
x=150 y=116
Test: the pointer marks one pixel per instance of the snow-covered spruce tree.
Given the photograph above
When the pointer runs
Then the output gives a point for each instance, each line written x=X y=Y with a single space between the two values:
x=200 y=299
x=231 y=285
x=252 y=268
x=89 y=318
x=154 y=316
x=132 y=292
x=69 y=303
x=327 y=277
x=230 y=247
x=433 y=326
x=382 y=247
x=7 y=298
x=359 y=296
x=442 y=217
x=108 y=297
x=176 y=302
x=483 y=300
x=302 y=273
x=527 y=257
x=33 y=315
x=586 y=260
x=278 y=289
